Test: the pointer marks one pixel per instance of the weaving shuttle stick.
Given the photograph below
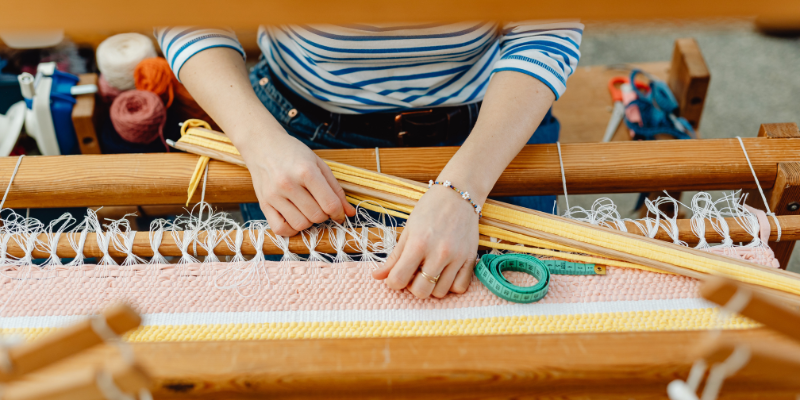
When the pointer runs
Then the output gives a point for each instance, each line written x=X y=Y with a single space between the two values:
x=794 y=299
x=761 y=307
x=82 y=384
x=66 y=342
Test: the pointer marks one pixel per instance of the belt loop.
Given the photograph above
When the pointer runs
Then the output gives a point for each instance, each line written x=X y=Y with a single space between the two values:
x=335 y=126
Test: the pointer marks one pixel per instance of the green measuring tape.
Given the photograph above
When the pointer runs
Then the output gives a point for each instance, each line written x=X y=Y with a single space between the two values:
x=490 y=270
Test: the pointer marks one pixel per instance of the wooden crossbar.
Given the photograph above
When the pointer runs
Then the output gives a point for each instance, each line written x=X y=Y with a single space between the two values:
x=619 y=167
x=790 y=226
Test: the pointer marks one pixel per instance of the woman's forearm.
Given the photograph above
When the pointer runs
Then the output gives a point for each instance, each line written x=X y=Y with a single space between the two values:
x=512 y=109
x=218 y=81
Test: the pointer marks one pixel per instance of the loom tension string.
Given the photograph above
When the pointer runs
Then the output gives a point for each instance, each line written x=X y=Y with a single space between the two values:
x=761 y=192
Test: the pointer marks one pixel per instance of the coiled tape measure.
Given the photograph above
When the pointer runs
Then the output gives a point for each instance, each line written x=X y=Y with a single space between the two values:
x=490 y=268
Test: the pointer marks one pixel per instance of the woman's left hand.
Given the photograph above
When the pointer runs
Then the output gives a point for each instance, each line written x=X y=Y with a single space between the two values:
x=441 y=239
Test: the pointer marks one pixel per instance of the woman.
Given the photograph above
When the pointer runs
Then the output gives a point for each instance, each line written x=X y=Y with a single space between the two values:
x=381 y=86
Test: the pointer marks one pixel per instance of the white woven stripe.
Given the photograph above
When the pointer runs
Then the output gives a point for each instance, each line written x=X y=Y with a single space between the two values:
x=514 y=310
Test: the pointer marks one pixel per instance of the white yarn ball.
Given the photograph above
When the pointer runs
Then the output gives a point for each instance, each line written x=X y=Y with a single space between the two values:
x=119 y=55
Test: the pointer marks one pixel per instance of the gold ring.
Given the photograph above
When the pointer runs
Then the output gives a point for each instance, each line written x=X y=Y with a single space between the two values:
x=430 y=279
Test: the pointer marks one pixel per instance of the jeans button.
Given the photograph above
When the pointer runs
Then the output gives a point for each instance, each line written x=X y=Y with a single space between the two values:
x=292 y=113
x=263 y=81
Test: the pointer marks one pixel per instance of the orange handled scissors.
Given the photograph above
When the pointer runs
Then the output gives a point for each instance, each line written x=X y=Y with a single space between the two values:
x=615 y=89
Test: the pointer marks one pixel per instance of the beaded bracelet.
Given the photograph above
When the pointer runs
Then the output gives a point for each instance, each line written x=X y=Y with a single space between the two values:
x=464 y=195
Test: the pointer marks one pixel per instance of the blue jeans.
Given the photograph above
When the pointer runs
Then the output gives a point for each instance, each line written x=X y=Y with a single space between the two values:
x=312 y=133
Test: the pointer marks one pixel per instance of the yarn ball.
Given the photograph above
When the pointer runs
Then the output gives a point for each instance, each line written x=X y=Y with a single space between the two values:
x=107 y=92
x=154 y=75
x=139 y=116
x=118 y=56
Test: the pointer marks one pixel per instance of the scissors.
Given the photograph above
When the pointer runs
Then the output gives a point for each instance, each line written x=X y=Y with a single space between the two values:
x=615 y=88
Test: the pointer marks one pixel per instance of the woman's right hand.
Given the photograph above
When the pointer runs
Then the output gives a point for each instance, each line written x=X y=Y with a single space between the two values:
x=295 y=188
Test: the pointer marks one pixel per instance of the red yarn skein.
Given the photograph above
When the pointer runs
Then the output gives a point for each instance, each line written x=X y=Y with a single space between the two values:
x=139 y=117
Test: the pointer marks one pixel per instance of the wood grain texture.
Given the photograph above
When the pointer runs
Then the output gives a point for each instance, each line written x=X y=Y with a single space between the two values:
x=67 y=342
x=564 y=366
x=689 y=79
x=143 y=179
x=98 y=15
x=85 y=117
x=760 y=308
x=81 y=384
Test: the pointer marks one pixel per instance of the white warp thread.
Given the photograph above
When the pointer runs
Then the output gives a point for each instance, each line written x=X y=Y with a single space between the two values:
x=761 y=192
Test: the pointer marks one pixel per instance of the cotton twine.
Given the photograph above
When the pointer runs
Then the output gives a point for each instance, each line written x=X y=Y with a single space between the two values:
x=118 y=56
x=139 y=117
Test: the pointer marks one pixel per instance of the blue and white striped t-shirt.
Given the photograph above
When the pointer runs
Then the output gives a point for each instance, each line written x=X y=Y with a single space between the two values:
x=356 y=69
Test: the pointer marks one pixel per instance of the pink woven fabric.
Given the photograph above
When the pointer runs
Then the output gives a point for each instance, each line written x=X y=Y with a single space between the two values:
x=298 y=286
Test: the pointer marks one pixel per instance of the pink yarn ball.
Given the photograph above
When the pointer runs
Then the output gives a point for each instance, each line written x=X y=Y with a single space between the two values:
x=139 y=116
x=107 y=92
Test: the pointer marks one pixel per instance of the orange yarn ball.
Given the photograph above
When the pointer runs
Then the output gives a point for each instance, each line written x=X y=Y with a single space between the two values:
x=154 y=75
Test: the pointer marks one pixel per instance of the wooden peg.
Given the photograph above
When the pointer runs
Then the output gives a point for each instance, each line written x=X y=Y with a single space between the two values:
x=761 y=308
x=67 y=342
x=82 y=384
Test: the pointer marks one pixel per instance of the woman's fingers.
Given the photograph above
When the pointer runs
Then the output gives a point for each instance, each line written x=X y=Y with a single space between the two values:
x=464 y=277
x=423 y=284
x=406 y=266
x=446 y=280
x=383 y=271
x=296 y=220
x=347 y=208
x=276 y=221
x=323 y=194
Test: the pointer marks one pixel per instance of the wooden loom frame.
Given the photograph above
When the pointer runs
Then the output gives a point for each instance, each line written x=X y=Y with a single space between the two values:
x=611 y=365
x=621 y=365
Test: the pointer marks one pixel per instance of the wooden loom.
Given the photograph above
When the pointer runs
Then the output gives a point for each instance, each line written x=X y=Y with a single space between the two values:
x=567 y=365
x=505 y=365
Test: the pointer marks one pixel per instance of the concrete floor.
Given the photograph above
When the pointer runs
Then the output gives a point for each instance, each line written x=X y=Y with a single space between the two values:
x=754 y=78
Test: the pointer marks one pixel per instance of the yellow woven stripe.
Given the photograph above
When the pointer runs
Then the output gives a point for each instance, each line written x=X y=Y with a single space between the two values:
x=207 y=135
x=209 y=144
x=350 y=170
x=661 y=320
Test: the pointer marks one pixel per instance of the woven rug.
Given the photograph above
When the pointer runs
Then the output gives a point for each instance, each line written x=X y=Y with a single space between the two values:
x=301 y=299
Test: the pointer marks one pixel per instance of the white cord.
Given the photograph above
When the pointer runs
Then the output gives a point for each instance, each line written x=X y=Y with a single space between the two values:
x=563 y=177
x=13 y=174
x=378 y=158
x=761 y=192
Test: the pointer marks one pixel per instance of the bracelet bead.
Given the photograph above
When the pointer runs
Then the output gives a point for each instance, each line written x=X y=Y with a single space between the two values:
x=464 y=195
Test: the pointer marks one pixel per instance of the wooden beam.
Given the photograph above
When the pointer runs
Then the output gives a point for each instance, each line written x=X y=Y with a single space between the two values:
x=784 y=196
x=169 y=248
x=86 y=118
x=67 y=342
x=620 y=167
x=760 y=307
x=82 y=384
x=97 y=15
x=575 y=365
x=689 y=79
